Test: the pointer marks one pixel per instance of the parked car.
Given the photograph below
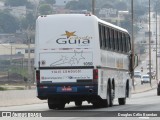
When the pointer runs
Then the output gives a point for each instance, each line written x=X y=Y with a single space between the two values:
x=145 y=79
x=137 y=74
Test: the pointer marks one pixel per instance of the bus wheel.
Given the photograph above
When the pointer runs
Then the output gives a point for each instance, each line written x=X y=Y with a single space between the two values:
x=78 y=103
x=97 y=104
x=51 y=104
x=109 y=102
x=61 y=105
x=158 y=89
x=122 y=101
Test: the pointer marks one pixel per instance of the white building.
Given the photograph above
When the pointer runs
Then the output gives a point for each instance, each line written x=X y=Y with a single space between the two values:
x=2 y=5
x=15 y=49
x=19 y=11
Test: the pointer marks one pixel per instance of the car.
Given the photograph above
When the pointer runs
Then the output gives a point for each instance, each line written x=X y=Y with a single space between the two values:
x=148 y=66
x=137 y=74
x=152 y=74
x=158 y=54
x=145 y=79
x=158 y=88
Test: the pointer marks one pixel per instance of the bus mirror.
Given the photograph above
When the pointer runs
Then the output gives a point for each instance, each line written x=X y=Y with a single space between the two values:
x=135 y=61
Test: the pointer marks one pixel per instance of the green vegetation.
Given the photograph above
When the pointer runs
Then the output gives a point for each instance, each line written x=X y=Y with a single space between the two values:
x=21 y=71
x=8 y=23
x=2 y=88
x=8 y=87
x=79 y=5
x=45 y=9
x=28 y=20
x=16 y=2
x=51 y=2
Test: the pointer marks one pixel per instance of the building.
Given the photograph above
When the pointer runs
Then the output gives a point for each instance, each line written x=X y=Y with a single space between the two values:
x=19 y=11
x=16 y=49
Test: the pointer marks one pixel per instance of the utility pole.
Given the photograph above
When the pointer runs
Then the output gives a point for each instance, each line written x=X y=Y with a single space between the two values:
x=156 y=49
x=11 y=53
x=93 y=7
x=29 y=57
x=132 y=45
x=150 y=44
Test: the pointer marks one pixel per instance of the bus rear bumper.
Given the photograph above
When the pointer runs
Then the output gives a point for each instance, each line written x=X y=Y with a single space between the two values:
x=70 y=93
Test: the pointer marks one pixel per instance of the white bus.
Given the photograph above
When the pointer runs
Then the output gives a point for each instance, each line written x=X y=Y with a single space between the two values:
x=79 y=57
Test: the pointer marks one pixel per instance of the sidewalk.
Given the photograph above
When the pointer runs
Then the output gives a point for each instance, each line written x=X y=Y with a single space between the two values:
x=24 y=97
x=145 y=87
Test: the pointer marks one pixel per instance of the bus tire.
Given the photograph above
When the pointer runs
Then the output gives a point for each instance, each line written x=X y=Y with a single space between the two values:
x=109 y=100
x=61 y=105
x=78 y=103
x=96 y=104
x=122 y=101
x=51 y=104
x=158 y=89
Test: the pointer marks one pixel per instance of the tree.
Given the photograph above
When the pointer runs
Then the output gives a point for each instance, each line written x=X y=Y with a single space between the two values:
x=121 y=5
x=50 y=2
x=156 y=6
x=16 y=2
x=79 y=5
x=45 y=9
x=8 y=23
x=29 y=20
x=140 y=10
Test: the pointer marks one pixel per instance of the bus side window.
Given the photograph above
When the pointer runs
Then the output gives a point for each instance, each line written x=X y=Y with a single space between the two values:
x=104 y=37
x=124 y=43
x=113 y=40
x=127 y=43
x=107 y=38
x=117 y=41
x=100 y=36
x=120 y=42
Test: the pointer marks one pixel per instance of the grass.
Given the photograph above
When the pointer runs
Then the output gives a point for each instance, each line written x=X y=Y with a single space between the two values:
x=4 y=88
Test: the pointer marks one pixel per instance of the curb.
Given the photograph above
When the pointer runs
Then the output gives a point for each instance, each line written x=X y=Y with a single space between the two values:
x=144 y=90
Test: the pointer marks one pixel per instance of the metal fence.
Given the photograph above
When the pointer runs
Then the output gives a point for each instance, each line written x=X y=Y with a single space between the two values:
x=16 y=71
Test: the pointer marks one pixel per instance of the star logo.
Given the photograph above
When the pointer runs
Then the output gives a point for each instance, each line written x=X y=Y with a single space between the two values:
x=69 y=34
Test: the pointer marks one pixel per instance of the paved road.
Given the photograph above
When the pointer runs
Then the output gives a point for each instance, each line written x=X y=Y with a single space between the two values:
x=146 y=101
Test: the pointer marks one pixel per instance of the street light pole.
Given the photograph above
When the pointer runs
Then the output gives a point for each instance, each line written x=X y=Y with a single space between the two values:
x=11 y=54
x=132 y=45
x=156 y=49
x=149 y=45
x=29 y=30
x=93 y=7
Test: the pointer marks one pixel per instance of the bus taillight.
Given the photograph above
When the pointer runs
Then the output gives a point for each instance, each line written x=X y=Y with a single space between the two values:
x=38 y=76
x=95 y=75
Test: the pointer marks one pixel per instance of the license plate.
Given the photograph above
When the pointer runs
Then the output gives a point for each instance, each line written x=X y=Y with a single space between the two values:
x=66 y=89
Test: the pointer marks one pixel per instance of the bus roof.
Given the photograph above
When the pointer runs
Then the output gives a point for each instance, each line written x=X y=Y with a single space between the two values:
x=71 y=16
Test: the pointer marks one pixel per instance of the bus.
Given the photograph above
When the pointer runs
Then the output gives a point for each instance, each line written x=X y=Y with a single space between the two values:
x=79 y=57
